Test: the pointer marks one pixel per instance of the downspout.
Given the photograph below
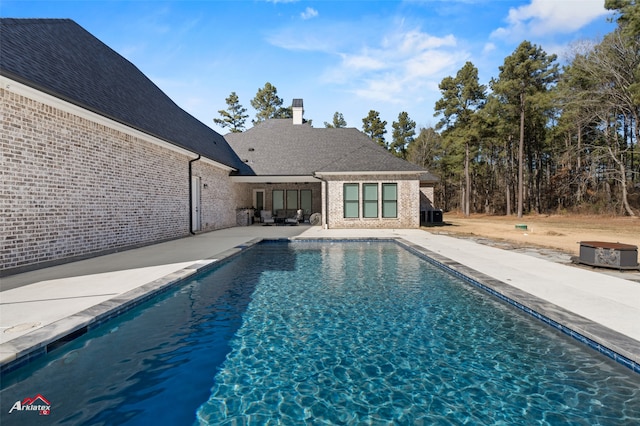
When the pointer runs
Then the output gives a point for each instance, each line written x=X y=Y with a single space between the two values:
x=191 y=195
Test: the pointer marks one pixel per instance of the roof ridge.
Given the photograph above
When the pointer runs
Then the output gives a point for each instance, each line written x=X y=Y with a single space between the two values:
x=38 y=20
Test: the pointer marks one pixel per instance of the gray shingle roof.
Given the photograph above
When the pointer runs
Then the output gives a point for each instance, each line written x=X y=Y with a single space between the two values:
x=59 y=57
x=277 y=147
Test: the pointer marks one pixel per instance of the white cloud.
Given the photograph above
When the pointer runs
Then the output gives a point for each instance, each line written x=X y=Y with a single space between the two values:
x=543 y=17
x=309 y=13
x=414 y=40
x=314 y=37
x=488 y=48
x=392 y=66
x=385 y=89
x=430 y=63
x=362 y=62
x=403 y=64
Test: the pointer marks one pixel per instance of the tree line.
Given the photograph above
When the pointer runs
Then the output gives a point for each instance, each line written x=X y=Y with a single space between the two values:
x=268 y=105
x=537 y=138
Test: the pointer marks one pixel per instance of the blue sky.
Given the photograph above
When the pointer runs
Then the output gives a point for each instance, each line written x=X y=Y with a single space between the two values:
x=346 y=56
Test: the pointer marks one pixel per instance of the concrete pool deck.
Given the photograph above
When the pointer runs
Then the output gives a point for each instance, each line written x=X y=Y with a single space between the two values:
x=40 y=308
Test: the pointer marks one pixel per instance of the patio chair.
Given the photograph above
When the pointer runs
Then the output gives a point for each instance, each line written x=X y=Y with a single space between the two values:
x=266 y=218
x=296 y=219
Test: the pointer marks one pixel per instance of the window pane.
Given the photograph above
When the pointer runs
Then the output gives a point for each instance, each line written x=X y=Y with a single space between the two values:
x=389 y=209
x=389 y=200
x=292 y=199
x=305 y=200
x=351 y=200
x=350 y=209
x=370 y=200
x=370 y=192
x=278 y=199
x=389 y=191
x=370 y=209
x=351 y=191
x=259 y=201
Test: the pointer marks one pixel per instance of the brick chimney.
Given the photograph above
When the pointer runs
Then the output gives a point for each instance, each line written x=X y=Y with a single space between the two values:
x=298 y=111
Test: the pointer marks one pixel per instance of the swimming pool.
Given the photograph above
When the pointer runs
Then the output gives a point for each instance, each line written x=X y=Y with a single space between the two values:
x=340 y=333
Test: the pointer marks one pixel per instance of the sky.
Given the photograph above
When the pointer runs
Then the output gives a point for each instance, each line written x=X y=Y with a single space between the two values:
x=338 y=56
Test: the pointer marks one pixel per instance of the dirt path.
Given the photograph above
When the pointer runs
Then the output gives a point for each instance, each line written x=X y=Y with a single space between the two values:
x=561 y=233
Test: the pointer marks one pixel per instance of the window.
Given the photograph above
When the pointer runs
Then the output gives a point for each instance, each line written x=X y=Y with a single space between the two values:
x=351 y=200
x=370 y=200
x=292 y=199
x=305 y=200
x=389 y=200
x=258 y=199
x=278 y=200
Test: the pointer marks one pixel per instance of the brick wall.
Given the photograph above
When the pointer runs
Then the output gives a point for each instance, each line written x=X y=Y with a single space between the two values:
x=408 y=203
x=426 y=198
x=72 y=186
x=218 y=197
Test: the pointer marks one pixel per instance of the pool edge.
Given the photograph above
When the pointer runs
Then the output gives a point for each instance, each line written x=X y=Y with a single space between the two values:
x=613 y=344
x=616 y=346
x=18 y=352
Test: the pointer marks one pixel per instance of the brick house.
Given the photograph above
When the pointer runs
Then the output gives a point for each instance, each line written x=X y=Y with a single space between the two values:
x=95 y=158
x=340 y=173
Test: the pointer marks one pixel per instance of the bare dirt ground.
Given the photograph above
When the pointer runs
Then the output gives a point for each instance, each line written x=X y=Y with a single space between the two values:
x=552 y=237
x=562 y=233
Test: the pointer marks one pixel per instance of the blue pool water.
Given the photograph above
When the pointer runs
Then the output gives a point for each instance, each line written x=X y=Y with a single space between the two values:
x=341 y=333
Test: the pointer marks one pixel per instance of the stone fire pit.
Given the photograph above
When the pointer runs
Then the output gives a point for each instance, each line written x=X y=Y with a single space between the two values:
x=608 y=255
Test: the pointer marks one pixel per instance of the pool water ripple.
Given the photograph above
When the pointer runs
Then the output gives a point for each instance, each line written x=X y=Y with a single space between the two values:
x=370 y=334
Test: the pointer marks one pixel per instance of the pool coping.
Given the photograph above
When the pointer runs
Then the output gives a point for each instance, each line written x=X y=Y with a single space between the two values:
x=615 y=345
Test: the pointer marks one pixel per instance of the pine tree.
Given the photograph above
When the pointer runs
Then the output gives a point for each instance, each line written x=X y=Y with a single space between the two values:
x=234 y=116
x=404 y=131
x=338 y=121
x=373 y=127
x=462 y=96
x=628 y=15
x=525 y=76
x=267 y=104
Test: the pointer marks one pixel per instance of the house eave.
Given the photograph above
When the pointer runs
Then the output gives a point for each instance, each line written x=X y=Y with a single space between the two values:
x=428 y=182
x=217 y=164
x=368 y=173
x=275 y=179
